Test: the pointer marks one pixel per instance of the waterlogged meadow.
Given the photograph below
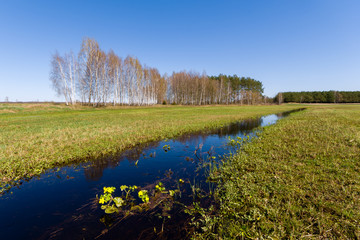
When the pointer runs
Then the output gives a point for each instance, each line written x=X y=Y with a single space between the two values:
x=141 y=193
x=299 y=179
x=37 y=137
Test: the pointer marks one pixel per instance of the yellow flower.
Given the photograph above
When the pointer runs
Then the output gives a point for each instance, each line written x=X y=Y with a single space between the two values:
x=101 y=200
x=109 y=189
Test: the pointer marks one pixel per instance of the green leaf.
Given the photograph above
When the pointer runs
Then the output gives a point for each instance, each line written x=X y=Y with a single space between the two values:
x=110 y=209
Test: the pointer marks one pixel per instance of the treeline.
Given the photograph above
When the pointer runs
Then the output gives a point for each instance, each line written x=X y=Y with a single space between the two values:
x=94 y=77
x=192 y=88
x=319 y=97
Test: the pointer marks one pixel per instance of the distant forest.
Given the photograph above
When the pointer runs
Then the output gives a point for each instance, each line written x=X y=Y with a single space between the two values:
x=319 y=97
x=93 y=77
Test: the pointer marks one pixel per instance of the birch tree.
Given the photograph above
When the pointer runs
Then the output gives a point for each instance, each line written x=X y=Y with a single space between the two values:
x=115 y=74
x=88 y=57
x=64 y=75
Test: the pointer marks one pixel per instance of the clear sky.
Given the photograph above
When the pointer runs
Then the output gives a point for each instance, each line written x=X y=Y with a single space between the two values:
x=289 y=45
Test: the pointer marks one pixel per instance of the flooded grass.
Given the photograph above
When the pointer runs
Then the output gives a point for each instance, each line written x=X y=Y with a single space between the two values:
x=299 y=179
x=63 y=204
x=37 y=137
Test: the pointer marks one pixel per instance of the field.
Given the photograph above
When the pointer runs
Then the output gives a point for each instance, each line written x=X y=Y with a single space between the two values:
x=299 y=179
x=37 y=137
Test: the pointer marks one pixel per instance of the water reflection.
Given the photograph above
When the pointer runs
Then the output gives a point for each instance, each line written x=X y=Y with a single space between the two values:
x=94 y=172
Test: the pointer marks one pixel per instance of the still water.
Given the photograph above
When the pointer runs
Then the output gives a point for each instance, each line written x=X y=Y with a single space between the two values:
x=60 y=203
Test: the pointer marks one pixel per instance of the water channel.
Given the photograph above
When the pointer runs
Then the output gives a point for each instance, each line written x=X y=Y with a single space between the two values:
x=60 y=203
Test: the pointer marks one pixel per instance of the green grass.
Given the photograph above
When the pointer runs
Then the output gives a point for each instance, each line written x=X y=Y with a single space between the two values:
x=37 y=137
x=299 y=179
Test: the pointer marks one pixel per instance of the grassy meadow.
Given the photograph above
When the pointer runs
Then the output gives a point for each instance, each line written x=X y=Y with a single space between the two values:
x=299 y=179
x=37 y=137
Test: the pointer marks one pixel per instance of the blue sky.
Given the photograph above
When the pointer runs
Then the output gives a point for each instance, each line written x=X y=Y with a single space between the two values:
x=288 y=45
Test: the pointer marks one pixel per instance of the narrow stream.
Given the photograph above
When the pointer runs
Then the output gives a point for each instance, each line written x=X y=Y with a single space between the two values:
x=60 y=204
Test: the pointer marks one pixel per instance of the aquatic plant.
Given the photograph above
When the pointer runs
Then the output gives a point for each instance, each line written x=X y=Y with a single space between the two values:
x=109 y=203
x=166 y=148
x=238 y=141
x=127 y=203
x=143 y=195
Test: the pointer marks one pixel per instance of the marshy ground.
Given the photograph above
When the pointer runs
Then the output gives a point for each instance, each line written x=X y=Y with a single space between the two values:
x=299 y=179
x=37 y=137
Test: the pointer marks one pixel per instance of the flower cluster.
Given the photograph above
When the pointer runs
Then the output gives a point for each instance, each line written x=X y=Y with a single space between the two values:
x=106 y=197
x=159 y=187
x=109 y=189
x=143 y=195
x=111 y=204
